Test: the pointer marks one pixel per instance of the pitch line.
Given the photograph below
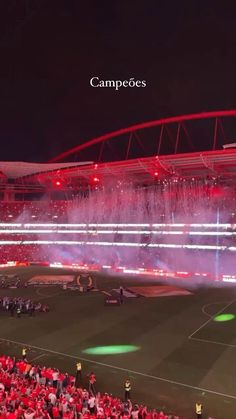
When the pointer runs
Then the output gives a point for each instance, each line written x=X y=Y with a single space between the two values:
x=45 y=296
x=210 y=304
x=229 y=345
x=106 y=293
x=210 y=319
x=153 y=377
x=37 y=357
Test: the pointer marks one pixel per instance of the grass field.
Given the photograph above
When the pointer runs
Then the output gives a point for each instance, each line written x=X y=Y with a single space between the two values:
x=184 y=355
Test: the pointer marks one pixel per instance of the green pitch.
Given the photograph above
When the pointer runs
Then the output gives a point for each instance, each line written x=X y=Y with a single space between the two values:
x=181 y=354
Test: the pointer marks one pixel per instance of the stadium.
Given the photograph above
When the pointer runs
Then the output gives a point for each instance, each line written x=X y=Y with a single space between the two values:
x=162 y=226
x=62 y=212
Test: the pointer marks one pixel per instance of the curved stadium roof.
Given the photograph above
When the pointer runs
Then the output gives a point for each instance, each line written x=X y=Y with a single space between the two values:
x=214 y=163
x=19 y=169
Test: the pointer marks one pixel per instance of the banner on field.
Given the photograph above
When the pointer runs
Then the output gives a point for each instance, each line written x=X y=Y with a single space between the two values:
x=159 y=291
x=51 y=279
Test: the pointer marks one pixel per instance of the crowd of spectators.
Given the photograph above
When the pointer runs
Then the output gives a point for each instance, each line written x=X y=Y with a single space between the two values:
x=20 y=306
x=46 y=211
x=33 y=211
x=29 y=391
x=23 y=253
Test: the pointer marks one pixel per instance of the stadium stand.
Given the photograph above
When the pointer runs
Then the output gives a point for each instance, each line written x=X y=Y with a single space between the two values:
x=30 y=391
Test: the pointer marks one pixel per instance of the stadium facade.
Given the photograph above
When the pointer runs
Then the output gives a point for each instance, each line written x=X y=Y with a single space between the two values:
x=138 y=207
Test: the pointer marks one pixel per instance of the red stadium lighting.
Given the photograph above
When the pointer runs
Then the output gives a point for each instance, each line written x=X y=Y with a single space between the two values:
x=156 y=174
x=57 y=183
x=96 y=179
x=141 y=126
x=217 y=192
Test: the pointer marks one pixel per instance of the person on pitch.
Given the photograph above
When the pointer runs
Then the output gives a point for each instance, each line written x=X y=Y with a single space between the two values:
x=198 y=409
x=127 y=390
x=24 y=354
x=78 y=376
x=121 y=295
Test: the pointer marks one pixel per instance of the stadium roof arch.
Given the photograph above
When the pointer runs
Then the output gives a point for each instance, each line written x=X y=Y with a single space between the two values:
x=213 y=163
x=164 y=124
x=140 y=169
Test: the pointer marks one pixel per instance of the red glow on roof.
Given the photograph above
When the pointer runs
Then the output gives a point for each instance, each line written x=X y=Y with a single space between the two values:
x=217 y=191
x=96 y=179
x=57 y=183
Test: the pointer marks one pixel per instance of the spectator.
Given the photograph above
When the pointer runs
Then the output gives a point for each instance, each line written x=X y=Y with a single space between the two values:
x=92 y=381
x=25 y=394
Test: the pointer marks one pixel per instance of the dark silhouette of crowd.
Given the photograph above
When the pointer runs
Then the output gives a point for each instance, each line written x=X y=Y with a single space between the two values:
x=21 y=306
x=34 y=211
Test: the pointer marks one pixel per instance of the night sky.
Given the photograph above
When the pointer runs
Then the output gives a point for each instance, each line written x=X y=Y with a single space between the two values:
x=186 y=52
